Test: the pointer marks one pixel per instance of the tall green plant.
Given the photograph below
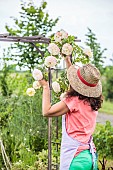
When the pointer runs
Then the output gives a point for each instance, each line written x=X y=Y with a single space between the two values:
x=6 y=70
x=108 y=83
x=98 y=53
x=103 y=139
x=3 y=82
x=32 y=21
x=21 y=121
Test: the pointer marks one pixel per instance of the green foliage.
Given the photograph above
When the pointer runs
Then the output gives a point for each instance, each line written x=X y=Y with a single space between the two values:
x=103 y=139
x=23 y=128
x=77 y=53
x=64 y=83
x=24 y=132
x=21 y=121
x=33 y=21
x=14 y=83
x=108 y=83
x=41 y=163
x=107 y=107
x=98 y=58
x=3 y=81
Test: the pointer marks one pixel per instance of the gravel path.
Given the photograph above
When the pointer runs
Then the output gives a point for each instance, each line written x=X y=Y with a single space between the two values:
x=102 y=118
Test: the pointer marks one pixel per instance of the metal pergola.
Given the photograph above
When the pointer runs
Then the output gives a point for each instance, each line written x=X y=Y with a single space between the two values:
x=33 y=40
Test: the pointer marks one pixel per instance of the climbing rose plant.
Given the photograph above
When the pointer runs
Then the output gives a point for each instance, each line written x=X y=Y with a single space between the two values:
x=62 y=44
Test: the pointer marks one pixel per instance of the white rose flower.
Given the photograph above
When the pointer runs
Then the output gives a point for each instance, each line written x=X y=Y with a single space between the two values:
x=88 y=52
x=64 y=34
x=36 y=85
x=53 y=49
x=56 y=87
x=58 y=37
x=30 y=91
x=50 y=61
x=67 y=49
x=37 y=74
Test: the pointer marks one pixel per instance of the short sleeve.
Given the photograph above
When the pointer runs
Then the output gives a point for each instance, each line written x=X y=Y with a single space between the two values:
x=71 y=103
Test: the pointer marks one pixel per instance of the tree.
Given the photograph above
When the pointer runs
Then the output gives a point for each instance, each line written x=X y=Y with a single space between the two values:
x=33 y=21
x=98 y=58
x=108 y=83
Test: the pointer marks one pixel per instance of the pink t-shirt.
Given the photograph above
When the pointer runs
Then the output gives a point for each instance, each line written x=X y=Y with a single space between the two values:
x=80 y=120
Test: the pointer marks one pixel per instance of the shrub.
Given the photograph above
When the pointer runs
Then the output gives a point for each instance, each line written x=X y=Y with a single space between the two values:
x=24 y=129
x=103 y=139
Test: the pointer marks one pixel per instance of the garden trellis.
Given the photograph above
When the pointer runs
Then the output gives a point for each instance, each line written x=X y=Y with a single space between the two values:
x=33 y=40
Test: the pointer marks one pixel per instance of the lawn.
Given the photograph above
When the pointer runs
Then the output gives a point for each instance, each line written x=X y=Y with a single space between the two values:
x=107 y=107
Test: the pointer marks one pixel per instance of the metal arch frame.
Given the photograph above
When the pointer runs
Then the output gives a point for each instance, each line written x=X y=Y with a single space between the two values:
x=33 y=40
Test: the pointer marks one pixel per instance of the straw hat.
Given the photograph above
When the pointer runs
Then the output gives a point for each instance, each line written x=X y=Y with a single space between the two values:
x=85 y=80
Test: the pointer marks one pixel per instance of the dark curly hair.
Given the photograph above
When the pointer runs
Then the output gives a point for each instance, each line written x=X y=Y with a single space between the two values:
x=94 y=102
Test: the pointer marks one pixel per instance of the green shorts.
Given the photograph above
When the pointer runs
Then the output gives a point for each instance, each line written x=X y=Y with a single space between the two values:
x=83 y=161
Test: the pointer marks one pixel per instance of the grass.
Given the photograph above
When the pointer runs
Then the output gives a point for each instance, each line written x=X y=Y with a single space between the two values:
x=107 y=107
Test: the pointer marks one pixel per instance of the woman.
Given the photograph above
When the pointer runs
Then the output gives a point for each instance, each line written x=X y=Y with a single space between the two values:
x=79 y=110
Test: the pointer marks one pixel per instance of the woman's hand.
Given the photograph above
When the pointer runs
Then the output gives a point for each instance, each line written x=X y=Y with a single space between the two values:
x=44 y=83
x=68 y=61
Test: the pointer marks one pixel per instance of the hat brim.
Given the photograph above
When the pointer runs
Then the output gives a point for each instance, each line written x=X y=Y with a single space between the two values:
x=80 y=87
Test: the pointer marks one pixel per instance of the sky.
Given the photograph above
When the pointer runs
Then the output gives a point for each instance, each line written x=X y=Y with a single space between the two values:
x=75 y=16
